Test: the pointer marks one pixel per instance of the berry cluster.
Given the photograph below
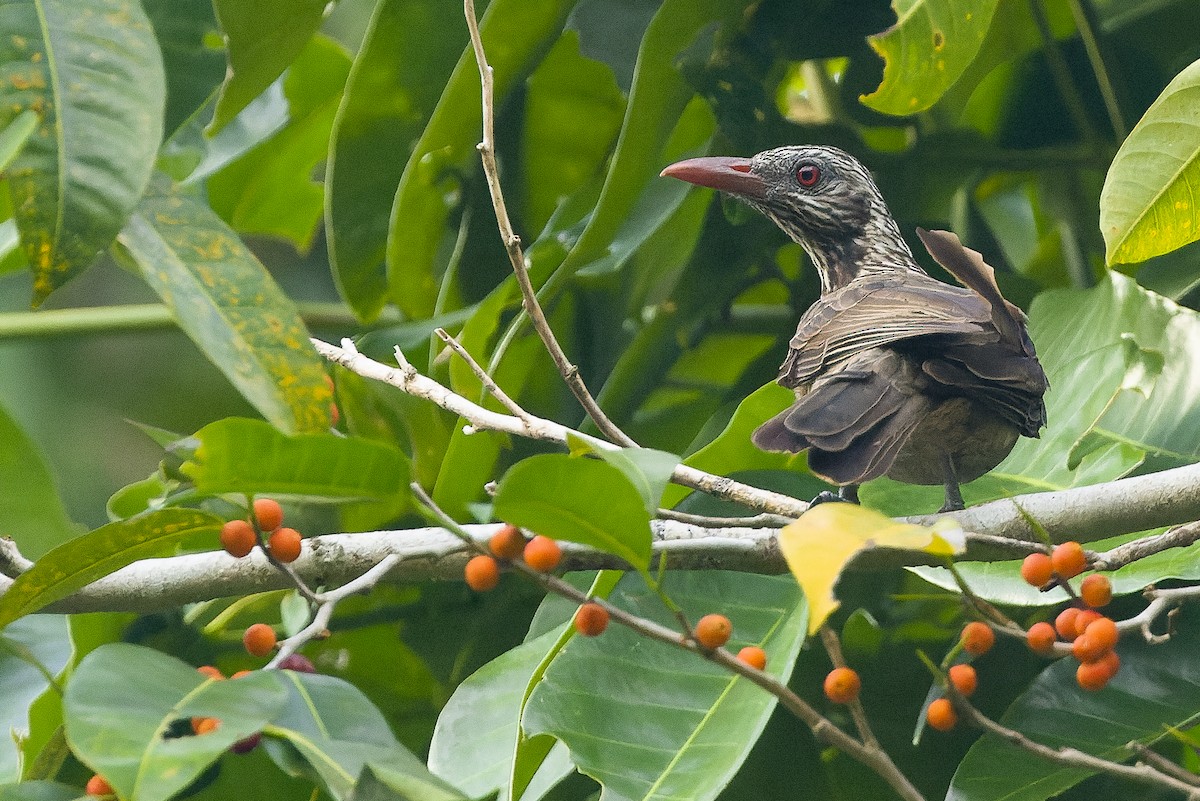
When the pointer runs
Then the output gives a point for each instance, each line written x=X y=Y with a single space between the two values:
x=238 y=537
x=482 y=572
x=1092 y=635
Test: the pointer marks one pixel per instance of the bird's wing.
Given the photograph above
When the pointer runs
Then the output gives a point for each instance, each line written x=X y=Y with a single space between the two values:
x=877 y=311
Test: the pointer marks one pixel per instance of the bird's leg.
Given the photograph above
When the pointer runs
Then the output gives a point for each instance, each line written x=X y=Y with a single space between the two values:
x=954 y=499
x=845 y=494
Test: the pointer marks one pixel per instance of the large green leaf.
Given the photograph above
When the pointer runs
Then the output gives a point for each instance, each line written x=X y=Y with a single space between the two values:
x=337 y=732
x=409 y=50
x=92 y=72
x=27 y=648
x=1158 y=686
x=250 y=456
x=514 y=32
x=1119 y=360
x=648 y=720
x=34 y=516
x=263 y=37
x=15 y=134
x=1151 y=199
x=77 y=563
x=227 y=303
x=929 y=48
x=270 y=190
x=578 y=500
x=121 y=704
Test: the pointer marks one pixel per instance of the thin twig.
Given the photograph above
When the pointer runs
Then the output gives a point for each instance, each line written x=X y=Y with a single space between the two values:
x=12 y=562
x=1148 y=755
x=1178 y=537
x=1060 y=71
x=512 y=245
x=488 y=382
x=1085 y=23
x=822 y=728
x=833 y=647
x=763 y=520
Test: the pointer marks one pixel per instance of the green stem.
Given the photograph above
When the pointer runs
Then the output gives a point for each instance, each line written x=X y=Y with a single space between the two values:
x=1085 y=22
x=147 y=317
x=1061 y=73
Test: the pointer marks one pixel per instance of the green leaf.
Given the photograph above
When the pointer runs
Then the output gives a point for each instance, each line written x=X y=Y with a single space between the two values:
x=229 y=306
x=1150 y=203
x=338 y=732
x=32 y=651
x=514 y=32
x=648 y=720
x=249 y=456
x=732 y=450
x=1158 y=686
x=75 y=564
x=270 y=190
x=647 y=469
x=91 y=71
x=14 y=135
x=387 y=102
x=578 y=500
x=35 y=517
x=38 y=791
x=929 y=48
x=263 y=38
x=194 y=67
x=122 y=700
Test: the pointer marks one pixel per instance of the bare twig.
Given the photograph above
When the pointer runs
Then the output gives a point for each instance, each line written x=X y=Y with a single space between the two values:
x=833 y=647
x=822 y=728
x=488 y=382
x=512 y=244
x=1178 y=537
x=12 y=562
x=1148 y=755
x=764 y=520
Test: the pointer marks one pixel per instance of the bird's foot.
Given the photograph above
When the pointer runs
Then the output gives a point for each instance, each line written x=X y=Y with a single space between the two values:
x=846 y=494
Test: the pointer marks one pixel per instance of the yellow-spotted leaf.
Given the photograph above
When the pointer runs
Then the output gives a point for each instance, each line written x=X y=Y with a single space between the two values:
x=824 y=539
x=927 y=50
x=1150 y=204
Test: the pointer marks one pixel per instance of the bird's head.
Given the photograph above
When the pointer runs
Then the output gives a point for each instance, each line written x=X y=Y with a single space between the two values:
x=821 y=197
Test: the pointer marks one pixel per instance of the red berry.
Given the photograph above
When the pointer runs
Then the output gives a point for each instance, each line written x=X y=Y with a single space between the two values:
x=268 y=513
x=591 y=619
x=978 y=638
x=1093 y=676
x=297 y=663
x=507 y=543
x=1041 y=638
x=1096 y=590
x=237 y=538
x=1064 y=624
x=963 y=678
x=1103 y=632
x=210 y=672
x=246 y=745
x=259 y=639
x=241 y=673
x=285 y=544
x=98 y=785
x=713 y=631
x=842 y=685
x=204 y=725
x=1084 y=619
x=941 y=715
x=542 y=554
x=482 y=573
x=753 y=656
x=1037 y=569
x=1068 y=559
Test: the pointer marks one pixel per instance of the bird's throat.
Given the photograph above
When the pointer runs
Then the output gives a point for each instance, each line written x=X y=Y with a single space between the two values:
x=876 y=249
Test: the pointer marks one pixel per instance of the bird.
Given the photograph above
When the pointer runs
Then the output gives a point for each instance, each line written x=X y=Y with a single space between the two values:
x=895 y=373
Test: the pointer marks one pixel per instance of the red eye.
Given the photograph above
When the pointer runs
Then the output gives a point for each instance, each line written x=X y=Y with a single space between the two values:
x=808 y=175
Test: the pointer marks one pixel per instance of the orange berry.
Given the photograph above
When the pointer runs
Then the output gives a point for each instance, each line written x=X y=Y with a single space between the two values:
x=978 y=638
x=1084 y=619
x=842 y=685
x=1041 y=638
x=1086 y=650
x=1064 y=624
x=963 y=678
x=1068 y=559
x=1093 y=676
x=241 y=673
x=204 y=725
x=1037 y=570
x=285 y=544
x=941 y=715
x=1103 y=632
x=591 y=619
x=482 y=573
x=507 y=543
x=1096 y=590
x=713 y=631
x=542 y=554
x=210 y=672
x=268 y=513
x=98 y=785
x=237 y=538
x=753 y=656
x=259 y=639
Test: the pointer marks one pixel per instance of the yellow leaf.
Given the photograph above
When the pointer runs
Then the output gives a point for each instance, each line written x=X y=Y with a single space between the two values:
x=826 y=537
